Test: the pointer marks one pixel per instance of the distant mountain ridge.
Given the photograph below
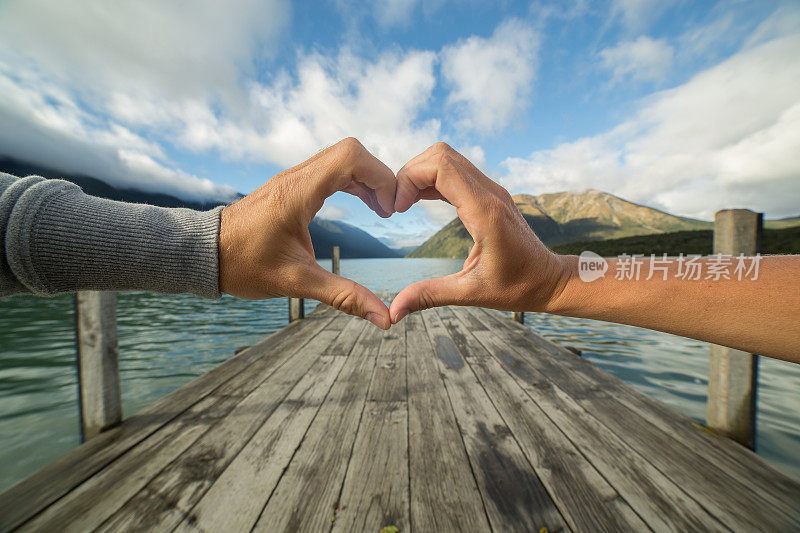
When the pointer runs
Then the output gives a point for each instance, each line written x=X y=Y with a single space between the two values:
x=564 y=217
x=97 y=187
x=352 y=241
x=583 y=216
x=325 y=234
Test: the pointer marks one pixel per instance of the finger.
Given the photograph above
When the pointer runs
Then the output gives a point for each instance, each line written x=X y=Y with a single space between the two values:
x=347 y=296
x=430 y=194
x=367 y=196
x=373 y=173
x=347 y=162
x=438 y=171
x=447 y=290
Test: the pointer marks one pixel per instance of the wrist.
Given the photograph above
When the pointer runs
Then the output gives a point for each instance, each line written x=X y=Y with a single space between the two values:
x=565 y=279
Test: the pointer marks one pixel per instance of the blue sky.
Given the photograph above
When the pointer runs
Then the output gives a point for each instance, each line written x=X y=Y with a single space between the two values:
x=686 y=106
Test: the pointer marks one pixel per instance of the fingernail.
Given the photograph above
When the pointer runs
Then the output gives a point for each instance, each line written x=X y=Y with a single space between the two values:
x=400 y=316
x=376 y=319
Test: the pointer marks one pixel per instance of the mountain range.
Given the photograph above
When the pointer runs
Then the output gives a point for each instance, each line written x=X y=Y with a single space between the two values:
x=324 y=233
x=579 y=216
x=559 y=219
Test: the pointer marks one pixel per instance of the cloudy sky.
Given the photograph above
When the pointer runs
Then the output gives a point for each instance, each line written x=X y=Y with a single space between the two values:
x=683 y=105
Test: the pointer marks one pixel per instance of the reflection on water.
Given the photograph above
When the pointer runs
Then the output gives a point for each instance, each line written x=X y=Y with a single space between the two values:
x=165 y=341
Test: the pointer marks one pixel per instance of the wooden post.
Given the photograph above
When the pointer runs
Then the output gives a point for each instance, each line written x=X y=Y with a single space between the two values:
x=335 y=260
x=518 y=316
x=733 y=374
x=296 y=309
x=99 y=397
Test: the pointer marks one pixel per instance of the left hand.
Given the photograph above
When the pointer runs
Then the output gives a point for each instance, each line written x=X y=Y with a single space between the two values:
x=265 y=249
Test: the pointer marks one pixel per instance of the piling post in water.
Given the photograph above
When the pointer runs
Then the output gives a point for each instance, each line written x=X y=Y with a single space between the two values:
x=518 y=316
x=733 y=374
x=335 y=260
x=296 y=309
x=99 y=397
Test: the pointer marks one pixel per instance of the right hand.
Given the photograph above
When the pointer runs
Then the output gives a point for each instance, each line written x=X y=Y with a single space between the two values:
x=265 y=249
x=508 y=268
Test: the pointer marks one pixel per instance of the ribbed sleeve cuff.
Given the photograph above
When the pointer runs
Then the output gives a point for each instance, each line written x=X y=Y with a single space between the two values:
x=67 y=240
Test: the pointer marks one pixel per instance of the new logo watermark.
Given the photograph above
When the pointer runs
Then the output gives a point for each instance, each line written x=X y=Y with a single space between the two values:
x=591 y=266
x=692 y=267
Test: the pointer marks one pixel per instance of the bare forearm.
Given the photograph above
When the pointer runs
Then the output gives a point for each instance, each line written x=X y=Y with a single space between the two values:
x=757 y=315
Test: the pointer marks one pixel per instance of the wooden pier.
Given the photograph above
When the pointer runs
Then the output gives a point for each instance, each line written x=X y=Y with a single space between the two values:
x=457 y=419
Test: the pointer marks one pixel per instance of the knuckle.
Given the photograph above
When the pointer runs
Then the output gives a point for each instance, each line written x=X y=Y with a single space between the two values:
x=346 y=299
x=350 y=147
x=443 y=160
x=426 y=299
x=505 y=196
x=441 y=147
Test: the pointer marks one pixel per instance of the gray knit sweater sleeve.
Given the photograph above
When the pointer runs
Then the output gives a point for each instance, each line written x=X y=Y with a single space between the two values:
x=54 y=238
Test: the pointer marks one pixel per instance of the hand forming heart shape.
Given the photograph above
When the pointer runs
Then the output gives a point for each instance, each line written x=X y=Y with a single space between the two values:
x=265 y=249
x=507 y=268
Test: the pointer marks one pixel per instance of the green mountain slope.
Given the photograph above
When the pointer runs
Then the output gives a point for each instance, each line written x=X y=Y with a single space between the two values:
x=775 y=241
x=324 y=233
x=565 y=217
x=789 y=222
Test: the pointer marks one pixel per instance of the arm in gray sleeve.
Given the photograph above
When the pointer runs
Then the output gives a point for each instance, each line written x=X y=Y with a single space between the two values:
x=54 y=238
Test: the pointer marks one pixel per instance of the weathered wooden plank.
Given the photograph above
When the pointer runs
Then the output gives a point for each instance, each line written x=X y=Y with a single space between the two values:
x=306 y=496
x=100 y=400
x=586 y=500
x=31 y=495
x=443 y=492
x=375 y=492
x=103 y=494
x=671 y=441
x=351 y=331
x=389 y=381
x=653 y=496
x=467 y=344
x=514 y=496
x=94 y=500
x=169 y=496
x=676 y=426
x=236 y=498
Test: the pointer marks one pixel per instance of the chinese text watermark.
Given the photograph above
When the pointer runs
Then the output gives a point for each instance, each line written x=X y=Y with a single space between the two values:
x=692 y=267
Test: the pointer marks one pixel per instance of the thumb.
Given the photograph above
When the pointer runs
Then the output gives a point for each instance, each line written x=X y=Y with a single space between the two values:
x=348 y=296
x=425 y=294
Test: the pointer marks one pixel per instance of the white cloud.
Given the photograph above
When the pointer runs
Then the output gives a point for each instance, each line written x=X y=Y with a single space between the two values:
x=143 y=48
x=394 y=12
x=333 y=212
x=42 y=123
x=784 y=21
x=644 y=59
x=438 y=212
x=330 y=98
x=728 y=137
x=703 y=40
x=636 y=15
x=78 y=77
x=126 y=77
x=491 y=78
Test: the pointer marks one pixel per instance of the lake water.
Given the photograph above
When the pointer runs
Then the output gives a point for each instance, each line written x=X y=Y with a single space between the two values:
x=166 y=341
